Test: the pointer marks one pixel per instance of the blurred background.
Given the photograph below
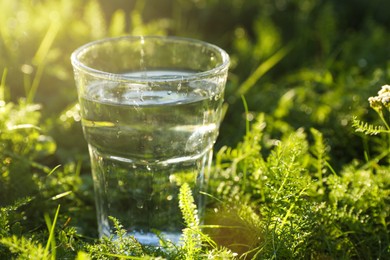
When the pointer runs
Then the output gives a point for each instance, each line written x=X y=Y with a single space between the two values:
x=306 y=63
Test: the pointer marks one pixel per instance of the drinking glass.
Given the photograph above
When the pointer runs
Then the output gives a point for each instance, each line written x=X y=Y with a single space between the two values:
x=151 y=111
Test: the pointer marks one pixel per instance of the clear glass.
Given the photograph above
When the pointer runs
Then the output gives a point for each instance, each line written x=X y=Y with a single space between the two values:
x=151 y=110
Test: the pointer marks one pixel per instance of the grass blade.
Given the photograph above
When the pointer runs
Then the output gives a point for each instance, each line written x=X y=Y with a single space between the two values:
x=51 y=227
x=262 y=69
x=2 y=84
x=39 y=58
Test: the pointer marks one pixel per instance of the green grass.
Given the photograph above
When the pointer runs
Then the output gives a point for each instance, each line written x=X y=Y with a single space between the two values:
x=301 y=166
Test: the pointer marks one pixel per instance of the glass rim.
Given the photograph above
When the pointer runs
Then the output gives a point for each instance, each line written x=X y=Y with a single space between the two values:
x=76 y=63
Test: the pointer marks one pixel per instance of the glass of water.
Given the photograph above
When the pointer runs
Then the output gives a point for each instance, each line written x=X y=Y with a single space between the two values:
x=151 y=110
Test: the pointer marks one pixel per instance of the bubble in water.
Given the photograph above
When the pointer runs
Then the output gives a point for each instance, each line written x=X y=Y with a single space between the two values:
x=194 y=141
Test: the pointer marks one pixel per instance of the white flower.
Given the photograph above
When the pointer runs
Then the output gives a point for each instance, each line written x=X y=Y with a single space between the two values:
x=383 y=99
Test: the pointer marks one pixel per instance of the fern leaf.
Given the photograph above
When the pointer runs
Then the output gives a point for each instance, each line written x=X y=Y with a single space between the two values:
x=319 y=150
x=367 y=128
x=25 y=248
x=187 y=206
x=191 y=235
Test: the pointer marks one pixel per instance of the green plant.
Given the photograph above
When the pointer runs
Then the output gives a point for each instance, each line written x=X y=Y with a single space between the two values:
x=291 y=178
x=381 y=105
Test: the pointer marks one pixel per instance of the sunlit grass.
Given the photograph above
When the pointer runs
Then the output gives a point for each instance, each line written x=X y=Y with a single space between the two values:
x=301 y=169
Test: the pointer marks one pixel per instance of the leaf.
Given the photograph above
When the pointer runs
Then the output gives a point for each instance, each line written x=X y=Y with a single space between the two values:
x=319 y=150
x=262 y=69
x=82 y=256
x=191 y=234
x=25 y=248
x=187 y=206
x=367 y=128
x=118 y=23
x=40 y=56
x=94 y=17
x=2 y=86
x=51 y=227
